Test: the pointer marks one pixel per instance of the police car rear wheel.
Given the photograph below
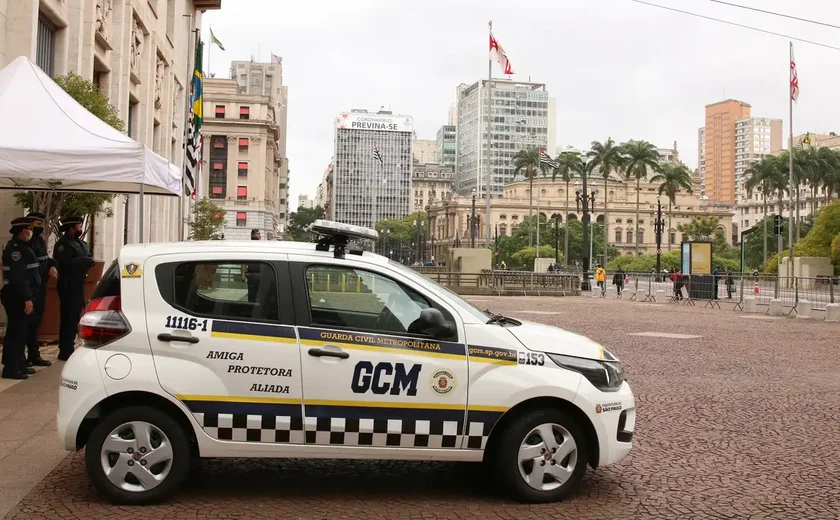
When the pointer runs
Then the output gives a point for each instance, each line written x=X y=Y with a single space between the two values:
x=542 y=456
x=137 y=455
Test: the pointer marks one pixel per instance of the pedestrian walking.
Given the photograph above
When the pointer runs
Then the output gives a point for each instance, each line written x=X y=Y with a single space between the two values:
x=677 y=278
x=716 y=280
x=47 y=271
x=73 y=261
x=618 y=281
x=601 y=279
x=21 y=287
x=730 y=283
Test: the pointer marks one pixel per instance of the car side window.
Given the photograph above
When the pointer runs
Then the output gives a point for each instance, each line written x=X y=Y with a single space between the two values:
x=346 y=297
x=245 y=291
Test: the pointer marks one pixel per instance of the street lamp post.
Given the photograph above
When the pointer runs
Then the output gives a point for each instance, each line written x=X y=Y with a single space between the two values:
x=658 y=226
x=583 y=198
x=472 y=221
x=556 y=218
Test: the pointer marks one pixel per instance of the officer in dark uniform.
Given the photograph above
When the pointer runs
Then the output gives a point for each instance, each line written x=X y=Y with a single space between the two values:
x=48 y=270
x=252 y=273
x=74 y=261
x=21 y=287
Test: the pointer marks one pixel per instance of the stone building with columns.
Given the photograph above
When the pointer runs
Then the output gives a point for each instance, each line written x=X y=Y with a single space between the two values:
x=449 y=217
x=140 y=54
x=241 y=161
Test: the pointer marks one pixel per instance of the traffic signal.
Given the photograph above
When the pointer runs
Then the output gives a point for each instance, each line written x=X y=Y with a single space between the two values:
x=777 y=225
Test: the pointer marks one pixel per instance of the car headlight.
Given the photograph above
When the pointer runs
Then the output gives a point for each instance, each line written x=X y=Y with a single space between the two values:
x=606 y=376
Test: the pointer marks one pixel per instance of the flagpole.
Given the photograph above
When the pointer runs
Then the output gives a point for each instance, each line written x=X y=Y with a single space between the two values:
x=790 y=169
x=489 y=136
x=181 y=224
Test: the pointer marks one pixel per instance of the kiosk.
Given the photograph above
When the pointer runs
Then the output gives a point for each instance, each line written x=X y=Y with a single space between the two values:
x=697 y=269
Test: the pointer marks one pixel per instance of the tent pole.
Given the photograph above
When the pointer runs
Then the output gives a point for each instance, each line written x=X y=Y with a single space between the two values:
x=141 y=212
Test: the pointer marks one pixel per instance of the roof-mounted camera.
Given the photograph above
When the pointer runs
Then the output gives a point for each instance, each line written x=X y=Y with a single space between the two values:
x=339 y=235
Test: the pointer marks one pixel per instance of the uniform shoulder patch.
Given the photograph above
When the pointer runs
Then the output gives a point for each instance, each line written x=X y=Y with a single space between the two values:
x=15 y=256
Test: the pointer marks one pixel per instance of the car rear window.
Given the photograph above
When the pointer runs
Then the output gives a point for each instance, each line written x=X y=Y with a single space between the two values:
x=109 y=284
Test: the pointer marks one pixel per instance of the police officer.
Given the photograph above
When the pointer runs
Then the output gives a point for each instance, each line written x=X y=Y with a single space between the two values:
x=252 y=273
x=48 y=270
x=74 y=261
x=21 y=287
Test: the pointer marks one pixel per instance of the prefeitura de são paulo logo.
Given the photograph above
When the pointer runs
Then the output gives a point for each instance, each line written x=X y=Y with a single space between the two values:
x=442 y=382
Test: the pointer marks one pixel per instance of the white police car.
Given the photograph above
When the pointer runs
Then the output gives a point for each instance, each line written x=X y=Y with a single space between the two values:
x=275 y=349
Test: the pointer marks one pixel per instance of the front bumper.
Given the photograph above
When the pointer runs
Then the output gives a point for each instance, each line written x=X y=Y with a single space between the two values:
x=613 y=414
x=81 y=389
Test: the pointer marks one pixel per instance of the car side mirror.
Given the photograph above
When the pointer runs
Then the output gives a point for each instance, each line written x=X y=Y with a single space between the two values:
x=432 y=322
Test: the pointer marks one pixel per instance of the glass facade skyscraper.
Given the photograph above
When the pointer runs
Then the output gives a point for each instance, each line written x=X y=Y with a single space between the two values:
x=522 y=118
x=447 y=144
x=365 y=190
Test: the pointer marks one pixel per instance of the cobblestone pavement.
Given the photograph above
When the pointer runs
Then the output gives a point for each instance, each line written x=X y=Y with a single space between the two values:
x=741 y=422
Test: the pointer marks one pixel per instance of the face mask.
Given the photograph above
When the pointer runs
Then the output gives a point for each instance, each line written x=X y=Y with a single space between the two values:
x=36 y=231
x=26 y=236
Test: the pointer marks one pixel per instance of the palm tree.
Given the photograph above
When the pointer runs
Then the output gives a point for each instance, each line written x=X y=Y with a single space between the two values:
x=569 y=164
x=529 y=161
x=607 y=158
x=802 y=167
x=831 y=180
x=640 y=157
x=827 y=163
x=673 y=179
x=763 y=175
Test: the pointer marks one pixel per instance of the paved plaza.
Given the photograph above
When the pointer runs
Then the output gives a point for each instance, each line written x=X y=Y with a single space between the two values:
x=737 y=418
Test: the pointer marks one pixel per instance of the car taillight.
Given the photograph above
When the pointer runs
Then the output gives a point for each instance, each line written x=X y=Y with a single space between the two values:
x=102 y=322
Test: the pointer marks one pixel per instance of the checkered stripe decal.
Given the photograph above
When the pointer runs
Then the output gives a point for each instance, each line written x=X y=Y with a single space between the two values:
x=400 y=433
x=251 y=427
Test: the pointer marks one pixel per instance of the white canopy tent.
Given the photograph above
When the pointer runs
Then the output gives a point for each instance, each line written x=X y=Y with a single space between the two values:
x=50 y=142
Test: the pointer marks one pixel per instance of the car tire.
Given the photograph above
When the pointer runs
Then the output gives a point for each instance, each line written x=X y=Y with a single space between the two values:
x=117 y=442
x=520 y=440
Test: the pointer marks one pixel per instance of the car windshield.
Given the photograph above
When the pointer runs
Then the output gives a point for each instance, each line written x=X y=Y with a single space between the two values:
x=419 y=278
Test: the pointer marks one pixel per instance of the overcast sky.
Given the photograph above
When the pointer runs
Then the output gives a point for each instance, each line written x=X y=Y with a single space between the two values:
x=616 y=68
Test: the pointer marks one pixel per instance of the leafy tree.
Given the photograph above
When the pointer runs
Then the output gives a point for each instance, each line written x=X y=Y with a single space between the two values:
x=765 y=176
x=510 y=245
x=55 y=204
x=819 y=240
x=607 y=159
x=207 y=222
x=700 y=228
x=529 y=161
x=527 y=256
x=299 y=222
x=670 y=261
x=835 y=250
x=640 y=158
x=673 y=179
x=754 y=244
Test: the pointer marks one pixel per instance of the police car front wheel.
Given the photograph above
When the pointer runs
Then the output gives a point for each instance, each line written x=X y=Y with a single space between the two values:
x=542 y=456
x=137 y=455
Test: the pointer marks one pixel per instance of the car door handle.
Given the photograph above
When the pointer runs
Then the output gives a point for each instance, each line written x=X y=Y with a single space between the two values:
x=317 y=352
x=172 y=337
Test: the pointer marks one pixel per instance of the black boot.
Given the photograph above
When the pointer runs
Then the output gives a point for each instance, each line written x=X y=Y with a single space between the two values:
x=39 y=362
x=11 y=374
x=64 y=356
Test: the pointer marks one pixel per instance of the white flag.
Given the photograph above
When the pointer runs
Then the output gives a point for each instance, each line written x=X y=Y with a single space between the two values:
x=794 y=79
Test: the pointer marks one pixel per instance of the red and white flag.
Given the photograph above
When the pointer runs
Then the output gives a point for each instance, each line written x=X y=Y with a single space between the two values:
x=498 y=54
x=794 y=78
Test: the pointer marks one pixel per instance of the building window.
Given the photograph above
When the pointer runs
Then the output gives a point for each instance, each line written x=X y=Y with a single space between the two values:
x=45 y=49
x=219 y=142
x=220 y=111
x=241 y=218
x=672 y=238
x=617 y=236
x=243 y=144
x=242 y=192
x=641 y=236
x=244 y=112
x=629 y=237
x=242 y=168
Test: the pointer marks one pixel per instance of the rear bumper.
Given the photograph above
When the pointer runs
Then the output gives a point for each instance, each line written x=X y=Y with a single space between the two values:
x=81 y=389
